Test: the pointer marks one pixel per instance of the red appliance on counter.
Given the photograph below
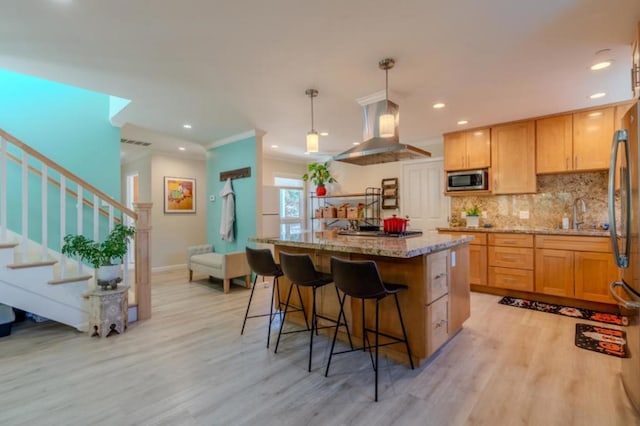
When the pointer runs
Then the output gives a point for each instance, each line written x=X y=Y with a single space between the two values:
x=395 y=225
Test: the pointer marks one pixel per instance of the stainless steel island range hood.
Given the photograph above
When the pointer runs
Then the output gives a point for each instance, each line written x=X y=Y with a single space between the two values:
x=375 y=149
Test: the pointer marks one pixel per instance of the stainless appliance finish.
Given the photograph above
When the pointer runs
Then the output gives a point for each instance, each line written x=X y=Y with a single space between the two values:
x=468 y=180
x=624 y=218
x=375 y=149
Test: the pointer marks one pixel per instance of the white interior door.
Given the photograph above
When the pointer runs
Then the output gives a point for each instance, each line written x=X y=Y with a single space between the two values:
x=422 y=195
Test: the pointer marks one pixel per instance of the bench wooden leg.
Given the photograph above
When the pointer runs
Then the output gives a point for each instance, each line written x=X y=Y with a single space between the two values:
x=226 y=283
x=247 y=280
x=190 y=275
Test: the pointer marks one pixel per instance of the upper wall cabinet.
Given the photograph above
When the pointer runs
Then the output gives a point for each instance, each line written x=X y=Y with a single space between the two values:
x=592 y=135
x=467 y=150
x=574 y=142
x=513 y=162
x=635 y=65
x=554 y=144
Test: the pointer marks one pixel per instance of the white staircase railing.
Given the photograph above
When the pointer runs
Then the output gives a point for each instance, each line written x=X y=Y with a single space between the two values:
x=35 y=192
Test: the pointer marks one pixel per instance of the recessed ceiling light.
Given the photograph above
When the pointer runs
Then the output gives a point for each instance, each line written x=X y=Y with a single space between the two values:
x=182 y=148
x=324 y=133
x=438 y=105
x=356 y=143
x=601 y=65
x=598 y=95
x=461 y=122
x=186 y=126
x=595 y=114
x=274 y=146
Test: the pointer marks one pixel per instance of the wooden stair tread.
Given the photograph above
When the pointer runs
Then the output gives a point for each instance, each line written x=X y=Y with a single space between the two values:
x=32 y=264
x=69 y=279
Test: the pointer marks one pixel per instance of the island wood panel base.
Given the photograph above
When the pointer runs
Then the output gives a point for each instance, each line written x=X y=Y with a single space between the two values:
x=412 y=272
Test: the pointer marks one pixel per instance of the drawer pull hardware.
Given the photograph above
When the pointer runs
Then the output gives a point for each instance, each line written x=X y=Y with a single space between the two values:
x=442 y=275
x=440 y=323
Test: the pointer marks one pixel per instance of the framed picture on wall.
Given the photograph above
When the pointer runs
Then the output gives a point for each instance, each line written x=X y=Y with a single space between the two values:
x=179 y=195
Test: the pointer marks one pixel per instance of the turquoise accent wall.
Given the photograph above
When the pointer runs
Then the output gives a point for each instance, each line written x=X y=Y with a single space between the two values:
x=71 y=127
x=232 y=156
x=67 y=124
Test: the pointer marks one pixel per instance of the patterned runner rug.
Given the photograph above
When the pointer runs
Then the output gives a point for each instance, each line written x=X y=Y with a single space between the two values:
x=565 y=310
x=601 y=339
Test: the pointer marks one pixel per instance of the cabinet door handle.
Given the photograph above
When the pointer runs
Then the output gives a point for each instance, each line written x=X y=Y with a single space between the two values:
x=437 y=277
x=635 y=77
x=440 y=323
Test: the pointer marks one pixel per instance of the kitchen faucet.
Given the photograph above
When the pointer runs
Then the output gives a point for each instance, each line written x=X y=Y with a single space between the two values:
x=576 y=223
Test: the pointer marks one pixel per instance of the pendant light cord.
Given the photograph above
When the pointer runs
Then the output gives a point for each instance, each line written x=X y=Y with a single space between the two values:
x=311 y=96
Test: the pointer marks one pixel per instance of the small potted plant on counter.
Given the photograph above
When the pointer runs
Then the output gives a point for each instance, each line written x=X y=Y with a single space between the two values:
x=473 y=216
x=105 y=257
x=319 y=174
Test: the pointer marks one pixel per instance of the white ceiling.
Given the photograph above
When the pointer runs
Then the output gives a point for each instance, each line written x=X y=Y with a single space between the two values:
x=228 y=67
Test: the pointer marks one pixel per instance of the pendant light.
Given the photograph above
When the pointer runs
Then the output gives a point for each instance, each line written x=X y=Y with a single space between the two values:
x=387 y=125
x=312 y=136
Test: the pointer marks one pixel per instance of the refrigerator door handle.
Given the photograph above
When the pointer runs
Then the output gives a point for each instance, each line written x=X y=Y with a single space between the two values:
x=627 y=304
x=622 y=260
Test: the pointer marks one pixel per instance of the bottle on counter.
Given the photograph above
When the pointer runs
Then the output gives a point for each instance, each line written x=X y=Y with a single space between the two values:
x=565 y=221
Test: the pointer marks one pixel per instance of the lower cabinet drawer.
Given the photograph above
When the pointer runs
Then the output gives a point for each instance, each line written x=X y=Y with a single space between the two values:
x=511 y=257
x=438 y=275
x=514 y=279
x=437 y=324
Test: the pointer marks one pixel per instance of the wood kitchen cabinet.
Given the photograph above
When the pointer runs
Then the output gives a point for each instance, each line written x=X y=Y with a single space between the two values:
x=513 y=160
x=477 y=256
x=592 y=135
x=511 y=261
x=574 y=142
x=574 y=266
x=635 y=65
x=554 y=144
x=467 y=150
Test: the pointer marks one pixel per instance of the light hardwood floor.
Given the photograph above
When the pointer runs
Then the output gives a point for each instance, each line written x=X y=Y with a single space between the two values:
x=189 y=365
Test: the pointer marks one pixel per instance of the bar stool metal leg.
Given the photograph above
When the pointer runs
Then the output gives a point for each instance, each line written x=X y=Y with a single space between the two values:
x=404 y=332
x=377 y=342
x=246 y=314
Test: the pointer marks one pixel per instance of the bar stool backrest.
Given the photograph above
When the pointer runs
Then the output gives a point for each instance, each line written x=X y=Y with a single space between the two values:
x=358 y=278
x=298 y=268
x=261 y=262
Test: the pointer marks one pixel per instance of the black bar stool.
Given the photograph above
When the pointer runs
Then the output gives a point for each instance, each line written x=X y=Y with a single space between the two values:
x=361 y=280
x=261 y=263
x=299 y=269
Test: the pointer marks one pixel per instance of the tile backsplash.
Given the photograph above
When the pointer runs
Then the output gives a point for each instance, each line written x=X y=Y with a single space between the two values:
x=555 y=197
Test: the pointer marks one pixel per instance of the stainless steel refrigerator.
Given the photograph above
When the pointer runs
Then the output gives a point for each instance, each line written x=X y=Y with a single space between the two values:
x=624 y=217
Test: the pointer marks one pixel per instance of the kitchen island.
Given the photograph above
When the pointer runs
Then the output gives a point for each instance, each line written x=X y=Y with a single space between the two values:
x=435 y=267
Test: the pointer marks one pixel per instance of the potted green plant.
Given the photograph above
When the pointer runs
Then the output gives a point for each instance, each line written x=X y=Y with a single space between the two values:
x=473 y=216
x=105 y=257
x=319 y=174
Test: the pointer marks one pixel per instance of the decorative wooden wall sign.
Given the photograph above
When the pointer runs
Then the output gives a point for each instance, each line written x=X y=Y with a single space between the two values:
x=235 y=174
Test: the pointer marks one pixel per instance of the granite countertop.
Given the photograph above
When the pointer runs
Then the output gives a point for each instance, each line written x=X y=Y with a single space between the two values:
x=533 y=230
x=426 y=243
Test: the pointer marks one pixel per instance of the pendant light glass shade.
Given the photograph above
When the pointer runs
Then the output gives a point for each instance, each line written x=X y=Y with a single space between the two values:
x=312 y=135
x=387 y=125
x=312 y=141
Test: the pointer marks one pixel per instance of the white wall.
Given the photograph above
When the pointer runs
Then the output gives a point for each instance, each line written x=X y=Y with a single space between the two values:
x=272 y=167
x=170 y=234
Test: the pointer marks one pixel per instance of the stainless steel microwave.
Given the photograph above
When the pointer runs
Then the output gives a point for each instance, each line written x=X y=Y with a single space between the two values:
x=468 y=180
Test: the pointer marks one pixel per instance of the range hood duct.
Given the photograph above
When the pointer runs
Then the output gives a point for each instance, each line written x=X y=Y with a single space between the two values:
x=374 y=149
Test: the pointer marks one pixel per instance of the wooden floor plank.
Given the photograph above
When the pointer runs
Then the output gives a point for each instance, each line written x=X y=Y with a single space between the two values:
x=189 y=365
